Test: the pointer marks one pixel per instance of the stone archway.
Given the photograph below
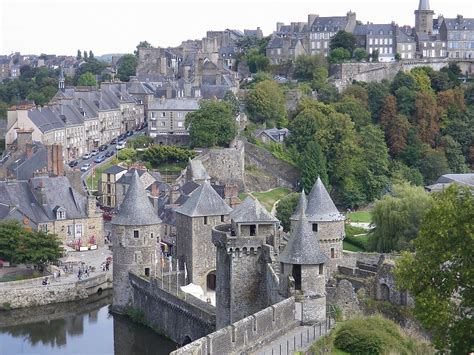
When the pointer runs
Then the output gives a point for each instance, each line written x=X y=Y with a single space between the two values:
x=211 y=281
x=384 y=292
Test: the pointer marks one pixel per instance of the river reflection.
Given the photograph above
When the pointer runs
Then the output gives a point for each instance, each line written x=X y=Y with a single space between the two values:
x=77 y=328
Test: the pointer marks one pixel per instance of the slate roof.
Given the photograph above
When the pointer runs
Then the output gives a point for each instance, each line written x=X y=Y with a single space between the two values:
x=251 y=211
x=136 y=209
x=360 y=30
x=301 y=206
x=38 y=203
x=188 y=188
x=457 y=24
x=302 y=247
x=24 y=168
x=114 y=169
x=424 y=5
x=320 y=205
x=403 y=37
x=273 y=133
x=275 y=42
x=174 y=105
x=462 y=179
x=205 y=201
x=329 y=24
x=126 y=178
x=382 y=29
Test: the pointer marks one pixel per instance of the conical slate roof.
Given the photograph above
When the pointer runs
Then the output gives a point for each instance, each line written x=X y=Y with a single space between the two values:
x=205 y=201
x=302 y=205
x=424 y=5
x=251 y=211
x=136 y=209
x=302 y=247
x=320 y=205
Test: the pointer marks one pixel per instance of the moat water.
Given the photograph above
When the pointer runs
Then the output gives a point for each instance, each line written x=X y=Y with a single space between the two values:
x=85 y=327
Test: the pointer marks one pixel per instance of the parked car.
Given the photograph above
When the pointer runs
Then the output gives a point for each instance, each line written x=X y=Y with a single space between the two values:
x=86 y=167
x=99 y=159
x=103 y=147
x=110 y=153
x=129 y=133
x=122 y=137
x=113 y=141
x=120 y=145
x=94 y=152
x=86 y=156
x=73 y=163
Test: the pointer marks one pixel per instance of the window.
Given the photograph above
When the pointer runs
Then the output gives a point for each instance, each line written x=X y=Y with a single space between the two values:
x=147 y=271
x=70 y=230
x=253 y=230
x=315 y=227
x=297 y=276
x=222 y=218
x=78 y=230
x=151 y=235
x=321 y=269
x=153 y=114
x=371 y=41
x=180 y=114
x=180 y=124
x=136 y=234
x=332 y=253
x=61 y=215
x=205 y=219
x=162 y=114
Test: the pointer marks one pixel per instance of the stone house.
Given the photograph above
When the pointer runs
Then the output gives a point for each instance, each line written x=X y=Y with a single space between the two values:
x=406 y=44
x=458 y=33
x=167 y=116
x=271 y=135
x=380 y=37
x=447 y=180
x=429 y=44
x=50 y=204
x=122 y=184
x=282 y=49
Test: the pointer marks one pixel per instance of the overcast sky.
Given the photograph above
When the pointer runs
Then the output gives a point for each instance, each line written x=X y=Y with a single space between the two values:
x=117 y=26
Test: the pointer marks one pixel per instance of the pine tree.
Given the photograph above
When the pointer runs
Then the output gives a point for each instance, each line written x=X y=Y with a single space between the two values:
x=313 y=164
x=91 y=55
x=79 y=55
x=85 y=55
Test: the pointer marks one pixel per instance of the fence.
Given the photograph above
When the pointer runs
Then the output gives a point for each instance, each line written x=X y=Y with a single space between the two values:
x=299 y=339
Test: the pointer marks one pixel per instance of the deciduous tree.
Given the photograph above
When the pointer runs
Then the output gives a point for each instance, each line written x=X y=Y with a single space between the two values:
x=266 y=104
x=439 y=275
x=312 y=165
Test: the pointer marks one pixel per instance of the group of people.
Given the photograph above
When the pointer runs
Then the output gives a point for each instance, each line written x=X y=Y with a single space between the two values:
x=84 y=271
x=105 y=265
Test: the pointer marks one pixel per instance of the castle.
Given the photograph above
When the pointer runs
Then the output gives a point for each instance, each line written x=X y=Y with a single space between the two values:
x=239 y=256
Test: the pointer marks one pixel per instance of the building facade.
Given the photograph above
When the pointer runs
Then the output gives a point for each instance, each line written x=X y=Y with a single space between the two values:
x=458 y=33
x=168 y=116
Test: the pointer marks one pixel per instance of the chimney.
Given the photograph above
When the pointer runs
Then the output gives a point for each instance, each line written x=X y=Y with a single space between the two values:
x=40 y=193
x=460 y=18
x=91 y=206
x=279 y=24
x=29 y=150
x=154 y=189
x=169 y=92
x=24 y=137
x=162 y=100
x=174 y=194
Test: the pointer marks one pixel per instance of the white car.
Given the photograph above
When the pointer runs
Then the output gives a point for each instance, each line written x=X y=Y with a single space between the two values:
x=120 y=145
x=94 y=152
x=86 y=167
x=86 y=156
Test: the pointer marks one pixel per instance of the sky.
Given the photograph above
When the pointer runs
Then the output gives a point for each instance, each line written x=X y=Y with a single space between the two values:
x=117 y=26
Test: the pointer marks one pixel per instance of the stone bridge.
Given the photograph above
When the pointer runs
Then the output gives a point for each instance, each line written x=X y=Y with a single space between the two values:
x=180 y=318
x=342 y=75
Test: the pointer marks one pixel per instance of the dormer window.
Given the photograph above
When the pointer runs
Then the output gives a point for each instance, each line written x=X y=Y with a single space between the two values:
x=60 y=213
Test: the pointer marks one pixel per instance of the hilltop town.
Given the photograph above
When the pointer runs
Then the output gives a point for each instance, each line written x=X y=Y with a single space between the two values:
x=246 y=193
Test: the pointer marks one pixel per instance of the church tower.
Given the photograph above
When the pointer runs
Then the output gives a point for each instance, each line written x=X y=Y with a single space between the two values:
x=302 y=271
x=424 y=18
x=136 y=242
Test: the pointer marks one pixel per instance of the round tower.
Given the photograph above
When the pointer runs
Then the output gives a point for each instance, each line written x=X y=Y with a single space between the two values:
x=327 y=224
x=136 y=234
x=302 y=272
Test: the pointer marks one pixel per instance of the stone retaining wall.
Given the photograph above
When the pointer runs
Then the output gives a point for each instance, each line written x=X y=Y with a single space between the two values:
x=247 y=333
x=18 y=294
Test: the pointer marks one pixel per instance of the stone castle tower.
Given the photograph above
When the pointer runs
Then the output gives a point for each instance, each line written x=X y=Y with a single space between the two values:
x=194 y=222
x=136 y=242
x=424 y=18
x=302 y=271
x=240 y=288
x=325 y=221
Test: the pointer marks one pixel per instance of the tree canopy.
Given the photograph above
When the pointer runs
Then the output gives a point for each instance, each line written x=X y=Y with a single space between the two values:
x=439 y=275
x=285 y=209
x=19 y=245
x=87 y=79
x=213 y=124
x=397 y=218
x=127 y=67
x=345 y=40
x=266 y=104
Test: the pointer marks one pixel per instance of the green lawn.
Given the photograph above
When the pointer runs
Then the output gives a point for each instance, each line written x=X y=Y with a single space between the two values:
x=268 y=198
x=350 y=247
x=93 y=181
x=361 y=216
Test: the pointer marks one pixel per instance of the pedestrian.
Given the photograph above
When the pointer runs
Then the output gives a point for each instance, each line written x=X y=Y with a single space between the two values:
x=106 y=266
x=45 y=281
